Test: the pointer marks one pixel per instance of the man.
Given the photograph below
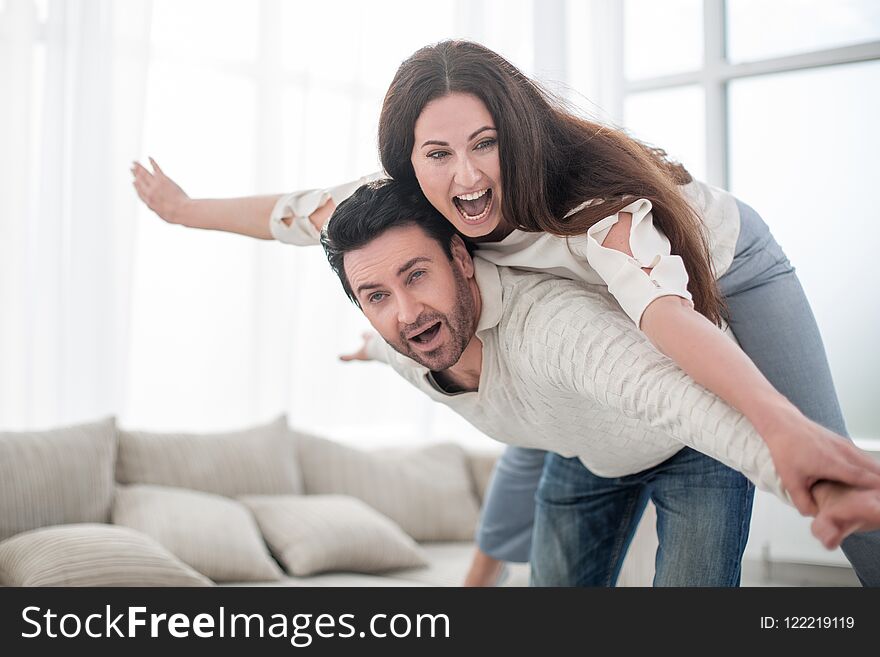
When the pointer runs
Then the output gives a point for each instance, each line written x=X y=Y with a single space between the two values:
x=541 y=362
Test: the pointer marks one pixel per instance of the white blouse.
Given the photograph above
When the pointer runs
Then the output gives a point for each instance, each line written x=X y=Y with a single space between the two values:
x=578 y=258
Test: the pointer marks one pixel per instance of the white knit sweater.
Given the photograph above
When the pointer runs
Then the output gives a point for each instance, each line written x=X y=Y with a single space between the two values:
x=564 y=370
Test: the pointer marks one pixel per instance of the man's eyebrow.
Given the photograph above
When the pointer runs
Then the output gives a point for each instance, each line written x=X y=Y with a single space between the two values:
x=409 y=264
x=365 y=286
x=445 y=143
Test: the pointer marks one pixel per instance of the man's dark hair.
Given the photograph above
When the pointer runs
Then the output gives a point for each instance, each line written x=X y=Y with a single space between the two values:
x=373 y=209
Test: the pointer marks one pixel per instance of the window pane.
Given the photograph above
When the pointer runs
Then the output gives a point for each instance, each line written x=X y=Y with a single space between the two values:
x=674 y=120
x=661 y=38
x=757 y=29
x=803 y=153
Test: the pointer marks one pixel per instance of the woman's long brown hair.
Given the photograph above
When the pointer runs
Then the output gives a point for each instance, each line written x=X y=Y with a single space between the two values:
x=551 y=160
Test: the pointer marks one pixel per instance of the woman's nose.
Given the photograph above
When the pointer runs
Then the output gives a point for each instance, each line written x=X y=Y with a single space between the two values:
x=466 y=174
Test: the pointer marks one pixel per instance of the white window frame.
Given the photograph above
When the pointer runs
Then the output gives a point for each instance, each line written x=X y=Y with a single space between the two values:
x=776 y=534
x=717 y=73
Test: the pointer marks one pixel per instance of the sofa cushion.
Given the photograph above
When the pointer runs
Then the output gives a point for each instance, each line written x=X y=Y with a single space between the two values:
x=56 y=476
x=215 y=535
x=91 y=555
x=427 y=491
x=482 y=466
x=347 y=580
x=313 y=534
x=256 y=461
x=449 y=562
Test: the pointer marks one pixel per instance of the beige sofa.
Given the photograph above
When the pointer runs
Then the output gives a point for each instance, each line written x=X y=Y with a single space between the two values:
x=269 y=506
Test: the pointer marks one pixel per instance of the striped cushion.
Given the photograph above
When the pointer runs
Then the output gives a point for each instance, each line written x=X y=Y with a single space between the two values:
x=57 y=476
x=313 y=534
x=91 y=555
x=427 y=491
x=256 y=461
x=215 y=535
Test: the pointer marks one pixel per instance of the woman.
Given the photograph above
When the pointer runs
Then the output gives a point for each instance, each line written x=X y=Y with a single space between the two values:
x=540 y=188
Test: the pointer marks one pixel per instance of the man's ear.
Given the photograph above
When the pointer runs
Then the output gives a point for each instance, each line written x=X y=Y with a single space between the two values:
x=461 y=256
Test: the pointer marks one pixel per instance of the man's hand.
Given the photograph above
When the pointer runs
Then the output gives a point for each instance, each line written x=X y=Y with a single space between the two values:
x=360 y=354
x=161 y=194
x=805 y=452
x=844 y=510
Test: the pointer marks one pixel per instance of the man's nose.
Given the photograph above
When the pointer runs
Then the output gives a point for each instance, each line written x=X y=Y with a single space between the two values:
x=408 y=309
x=466 y=174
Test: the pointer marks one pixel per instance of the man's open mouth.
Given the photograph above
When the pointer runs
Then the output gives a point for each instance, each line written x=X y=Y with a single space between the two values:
x=474 y=206
x=428 y=336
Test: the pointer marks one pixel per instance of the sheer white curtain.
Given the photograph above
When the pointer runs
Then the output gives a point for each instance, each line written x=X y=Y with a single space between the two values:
x=72 y=75
x=107 y=309
x=270 y=97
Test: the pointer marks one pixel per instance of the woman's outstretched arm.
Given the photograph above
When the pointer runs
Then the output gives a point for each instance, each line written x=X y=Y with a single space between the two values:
x=803 y=451
x=247 y=215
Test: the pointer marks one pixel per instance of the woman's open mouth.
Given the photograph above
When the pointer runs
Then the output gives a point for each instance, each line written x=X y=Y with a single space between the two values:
x=427 y=339
x=474 y=207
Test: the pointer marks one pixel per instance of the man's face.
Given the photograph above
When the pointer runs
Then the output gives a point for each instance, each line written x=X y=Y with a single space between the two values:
x=418 y=300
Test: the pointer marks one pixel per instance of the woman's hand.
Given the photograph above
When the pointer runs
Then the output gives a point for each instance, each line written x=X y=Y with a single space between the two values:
x=805 y=453
x=363 y=352
x=161 y=194
x=245 y=215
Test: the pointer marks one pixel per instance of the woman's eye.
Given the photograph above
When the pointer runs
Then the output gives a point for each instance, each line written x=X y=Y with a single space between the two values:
x=486 y=143
x=438 y=155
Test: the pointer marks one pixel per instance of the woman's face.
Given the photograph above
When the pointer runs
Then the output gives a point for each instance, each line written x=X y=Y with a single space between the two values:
x=455 y=158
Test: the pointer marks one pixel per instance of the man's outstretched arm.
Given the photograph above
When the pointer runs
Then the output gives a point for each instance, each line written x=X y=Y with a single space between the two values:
x=593 y=351
x=612 y=364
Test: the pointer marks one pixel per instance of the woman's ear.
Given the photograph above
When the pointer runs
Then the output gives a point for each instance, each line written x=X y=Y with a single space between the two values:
x=461 y=256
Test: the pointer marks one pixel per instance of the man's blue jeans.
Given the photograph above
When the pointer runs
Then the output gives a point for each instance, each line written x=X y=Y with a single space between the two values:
x=584 y=523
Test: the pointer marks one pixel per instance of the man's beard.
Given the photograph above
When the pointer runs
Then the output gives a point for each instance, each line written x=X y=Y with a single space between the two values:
x=459 y=324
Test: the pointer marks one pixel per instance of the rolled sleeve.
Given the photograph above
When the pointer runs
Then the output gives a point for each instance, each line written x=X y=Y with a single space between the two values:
x=298 y=206
x=634 y=288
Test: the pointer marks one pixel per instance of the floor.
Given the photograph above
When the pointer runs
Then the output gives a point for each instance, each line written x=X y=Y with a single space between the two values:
x=767 y=573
